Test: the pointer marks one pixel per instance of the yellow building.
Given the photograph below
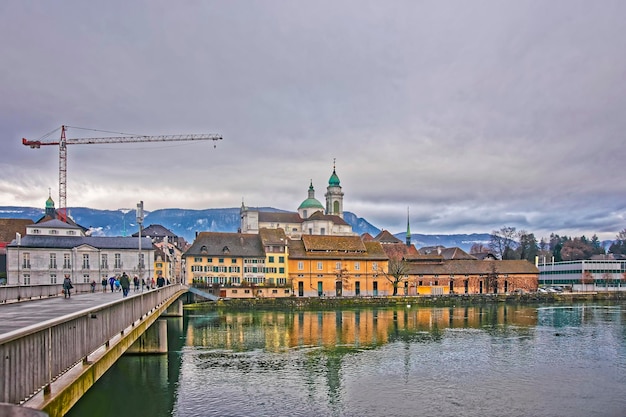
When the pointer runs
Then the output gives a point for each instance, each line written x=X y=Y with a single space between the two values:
x=275 y=246
x=322 y=266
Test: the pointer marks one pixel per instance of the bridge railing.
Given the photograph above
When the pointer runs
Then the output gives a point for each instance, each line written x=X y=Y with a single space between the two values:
x=10 y=293
x=33 y=357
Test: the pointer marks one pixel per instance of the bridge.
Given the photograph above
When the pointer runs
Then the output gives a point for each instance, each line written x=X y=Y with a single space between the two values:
x=53 y=350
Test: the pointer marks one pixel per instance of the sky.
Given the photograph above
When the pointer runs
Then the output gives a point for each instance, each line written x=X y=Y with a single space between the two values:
x=467 y=116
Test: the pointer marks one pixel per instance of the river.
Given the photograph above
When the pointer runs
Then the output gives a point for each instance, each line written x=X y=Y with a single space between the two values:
x=491 y=360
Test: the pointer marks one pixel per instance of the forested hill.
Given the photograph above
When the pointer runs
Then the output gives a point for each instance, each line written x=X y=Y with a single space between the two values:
x=186 y=223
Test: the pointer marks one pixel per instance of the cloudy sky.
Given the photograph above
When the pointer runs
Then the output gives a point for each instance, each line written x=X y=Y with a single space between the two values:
x=474 y=115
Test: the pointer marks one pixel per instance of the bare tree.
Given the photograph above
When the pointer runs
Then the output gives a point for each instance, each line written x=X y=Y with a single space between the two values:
x=491 y=282
x=503 y=243
x=397 y=268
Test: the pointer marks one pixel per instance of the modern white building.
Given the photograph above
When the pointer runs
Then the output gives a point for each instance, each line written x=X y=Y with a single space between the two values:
x=585 y=275
x=53 y=248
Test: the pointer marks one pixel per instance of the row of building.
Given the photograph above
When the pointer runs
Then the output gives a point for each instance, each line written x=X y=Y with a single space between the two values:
x=312 y=252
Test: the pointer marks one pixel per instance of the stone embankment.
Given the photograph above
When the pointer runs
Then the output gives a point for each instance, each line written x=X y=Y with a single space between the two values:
x=303 y=303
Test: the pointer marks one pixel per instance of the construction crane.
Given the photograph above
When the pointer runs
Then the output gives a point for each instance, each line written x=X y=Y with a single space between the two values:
x=63 y=142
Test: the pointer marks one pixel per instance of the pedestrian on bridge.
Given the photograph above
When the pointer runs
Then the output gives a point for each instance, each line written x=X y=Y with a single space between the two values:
x=125 y=283
x=136 y=283
x=104 y=285
x=67 y=286
x=112 y=282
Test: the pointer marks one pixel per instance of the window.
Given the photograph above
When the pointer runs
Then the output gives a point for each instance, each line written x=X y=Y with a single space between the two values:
x=197 y=259
x=26 y=261
x=53 y=278
x=85 y=261
x=141 y=261
x=374 y=266
x=159 y=265
x=36 y=231
x=357 y=266
x=66 y=261
x=270 y=259
x=220 y=260
x=53 y=261
x=26 y=279
x=281 y=281
x=71 y=232
x=320 y=266
x=85 y=278
x=337 y=265
x=118 y=261
x=274 y=291
x=281 y=270
x=53 y=232
x=323 y=231
x=234 y=291
x=281 y=259
x=300 y=265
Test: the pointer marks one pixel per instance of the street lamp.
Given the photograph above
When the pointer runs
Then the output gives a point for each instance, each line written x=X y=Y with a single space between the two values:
x=140 y=222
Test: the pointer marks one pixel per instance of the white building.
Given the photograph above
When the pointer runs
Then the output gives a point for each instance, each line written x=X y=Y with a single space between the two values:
x=54 y=248
x=310 y=219
x=585 y=275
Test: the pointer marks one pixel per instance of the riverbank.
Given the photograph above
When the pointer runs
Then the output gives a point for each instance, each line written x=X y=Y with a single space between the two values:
x=304 y=303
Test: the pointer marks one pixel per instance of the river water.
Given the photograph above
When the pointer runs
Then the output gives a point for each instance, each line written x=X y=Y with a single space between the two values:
x=500 y=360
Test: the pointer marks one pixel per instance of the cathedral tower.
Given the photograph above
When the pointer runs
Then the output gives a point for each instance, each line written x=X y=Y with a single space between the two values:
x=334 y=195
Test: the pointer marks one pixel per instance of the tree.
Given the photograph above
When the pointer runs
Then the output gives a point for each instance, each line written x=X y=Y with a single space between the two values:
x=576 y=249
x=528 y=248
x=619 y=245
x=503 y=243
x=491 y=281
x=478 y=248
x=596 y=245
x=397 y=268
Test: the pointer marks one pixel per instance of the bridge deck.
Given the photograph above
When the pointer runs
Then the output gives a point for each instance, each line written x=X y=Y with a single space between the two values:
x=26 y=313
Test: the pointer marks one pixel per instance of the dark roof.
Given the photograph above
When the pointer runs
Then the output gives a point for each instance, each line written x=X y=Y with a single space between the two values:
x=472 y=267
x=273 y=237
x=333 y=243
x=386 y=237
x=366 y=237
x=318 y=215
x=229 y=244
x=155 y=230
x=9 y=227
x=69 y=242
x=446 y=253
x=400 y=251
x=277 y=217
x=70 y=221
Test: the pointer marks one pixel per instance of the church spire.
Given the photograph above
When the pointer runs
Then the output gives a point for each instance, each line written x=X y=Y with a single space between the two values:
x=408 y=229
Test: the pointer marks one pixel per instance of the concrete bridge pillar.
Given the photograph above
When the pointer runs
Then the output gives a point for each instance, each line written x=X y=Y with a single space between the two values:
x=153 y=340
x=174 y=310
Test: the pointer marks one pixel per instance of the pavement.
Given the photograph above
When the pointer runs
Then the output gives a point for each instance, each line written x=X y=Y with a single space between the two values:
x=14 y=316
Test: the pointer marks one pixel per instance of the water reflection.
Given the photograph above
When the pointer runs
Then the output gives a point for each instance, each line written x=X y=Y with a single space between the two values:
x=276 y=331
x=471 y=361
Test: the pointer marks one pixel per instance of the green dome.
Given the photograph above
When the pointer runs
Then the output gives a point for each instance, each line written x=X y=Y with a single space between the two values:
x=334 y=180
x=49 y=203
x=311 y=203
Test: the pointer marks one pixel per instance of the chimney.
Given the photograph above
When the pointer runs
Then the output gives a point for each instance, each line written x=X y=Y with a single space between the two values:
x=18 y=238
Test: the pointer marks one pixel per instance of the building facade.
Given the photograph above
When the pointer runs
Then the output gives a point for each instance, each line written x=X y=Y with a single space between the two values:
x=311 y=218
x=51 y=249
x=337 y=266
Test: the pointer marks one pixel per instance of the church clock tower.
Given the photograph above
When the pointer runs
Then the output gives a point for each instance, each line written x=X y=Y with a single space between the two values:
x=334 y=195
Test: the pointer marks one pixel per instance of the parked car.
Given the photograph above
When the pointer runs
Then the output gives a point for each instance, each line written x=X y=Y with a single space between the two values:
x=542 y=290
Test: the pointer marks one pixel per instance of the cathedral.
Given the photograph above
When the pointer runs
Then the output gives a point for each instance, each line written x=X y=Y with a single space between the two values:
x=312 y=218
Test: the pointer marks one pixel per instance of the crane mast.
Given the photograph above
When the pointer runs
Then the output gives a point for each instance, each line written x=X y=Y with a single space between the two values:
x=64 y=141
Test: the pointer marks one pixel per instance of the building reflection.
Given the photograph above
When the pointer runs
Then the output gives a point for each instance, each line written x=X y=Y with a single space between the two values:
x=274 y=331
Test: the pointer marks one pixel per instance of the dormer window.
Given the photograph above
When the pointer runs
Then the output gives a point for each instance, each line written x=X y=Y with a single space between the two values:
x=36 y=231
x=225 y=249
x=203 y=249
x=53 y=232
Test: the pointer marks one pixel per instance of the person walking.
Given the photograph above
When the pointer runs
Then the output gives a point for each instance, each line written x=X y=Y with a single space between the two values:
x=67 y=286
x=112 y=282
x=93 y=286
x=136 y=283
x=125 y=283
x=104 y=284
x=160 y=282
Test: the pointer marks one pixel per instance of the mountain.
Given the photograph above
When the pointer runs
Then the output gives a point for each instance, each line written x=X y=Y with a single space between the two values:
x=186 y=223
